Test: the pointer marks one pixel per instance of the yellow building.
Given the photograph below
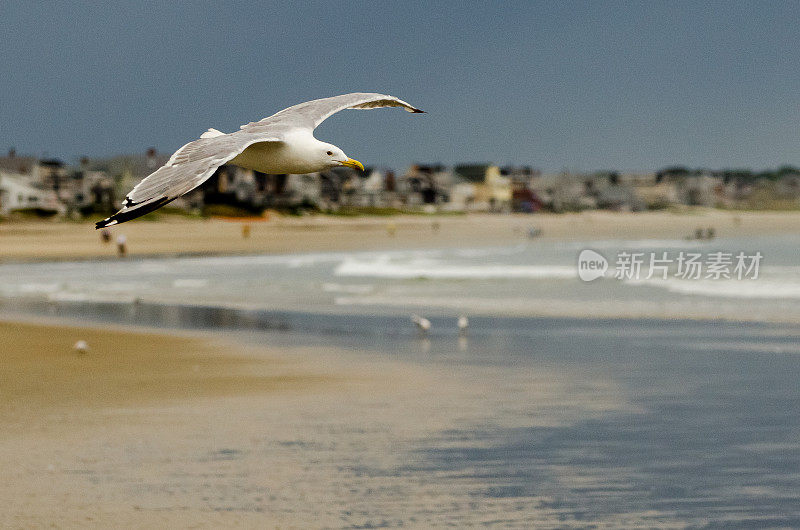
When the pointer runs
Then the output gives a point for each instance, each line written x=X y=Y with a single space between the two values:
x=492 y=191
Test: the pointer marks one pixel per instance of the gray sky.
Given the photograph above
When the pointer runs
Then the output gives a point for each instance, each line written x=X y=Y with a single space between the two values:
x=579 y=85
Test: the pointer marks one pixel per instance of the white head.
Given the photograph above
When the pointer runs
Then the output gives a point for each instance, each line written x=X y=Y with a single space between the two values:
x=330 y=156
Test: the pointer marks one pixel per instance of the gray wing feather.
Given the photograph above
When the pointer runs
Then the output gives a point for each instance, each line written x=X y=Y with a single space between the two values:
x=311 y=113
x=187 y=168
x=195 y=162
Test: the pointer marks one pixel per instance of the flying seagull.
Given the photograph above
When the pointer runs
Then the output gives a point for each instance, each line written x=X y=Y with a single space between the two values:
x=281 y=143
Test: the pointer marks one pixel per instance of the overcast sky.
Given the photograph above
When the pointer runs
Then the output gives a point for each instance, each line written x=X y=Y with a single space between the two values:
x=583 y=85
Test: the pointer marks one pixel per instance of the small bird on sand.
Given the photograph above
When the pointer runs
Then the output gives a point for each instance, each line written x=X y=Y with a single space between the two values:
x=423 y=324
x=463 y=323
x=282 y=143
x=81 y=346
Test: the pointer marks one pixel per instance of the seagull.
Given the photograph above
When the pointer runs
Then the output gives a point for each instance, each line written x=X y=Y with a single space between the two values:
x=463 y=323
x=281 y=143
x=81 y=346
x=423 y=324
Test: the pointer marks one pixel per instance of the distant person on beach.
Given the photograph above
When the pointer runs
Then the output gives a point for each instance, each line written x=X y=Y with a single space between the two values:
x=121 y=245
x=105 y=235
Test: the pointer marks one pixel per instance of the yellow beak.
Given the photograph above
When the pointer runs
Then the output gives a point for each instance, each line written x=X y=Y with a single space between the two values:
x=355 y=164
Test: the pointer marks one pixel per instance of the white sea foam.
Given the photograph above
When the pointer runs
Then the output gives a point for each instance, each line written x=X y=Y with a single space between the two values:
x=759 y=288
x=189 y=283
x=309 y=259
x=66 y=296
x=436 y=269
x=348 y=288
x=542 y=278
x=33 y=288
x=81 y=296
x=121 y=287
x=295 y=260
x=482 y=252
x=153 y=267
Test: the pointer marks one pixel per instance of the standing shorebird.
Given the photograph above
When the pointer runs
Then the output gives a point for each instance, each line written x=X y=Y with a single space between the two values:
x=423 y=324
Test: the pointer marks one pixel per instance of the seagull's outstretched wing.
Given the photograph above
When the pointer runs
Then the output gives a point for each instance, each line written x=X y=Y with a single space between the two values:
x=311 y=113
x=195 y=162
x=189 y=166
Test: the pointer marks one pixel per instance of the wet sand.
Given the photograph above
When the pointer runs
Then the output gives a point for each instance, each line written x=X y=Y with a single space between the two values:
x=41 y=369
x=150 y=430
x=62 y=412
x=174 y=236
x=566 y=425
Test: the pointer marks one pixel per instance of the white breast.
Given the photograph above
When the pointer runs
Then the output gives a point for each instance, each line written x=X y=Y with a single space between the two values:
x=295 y=155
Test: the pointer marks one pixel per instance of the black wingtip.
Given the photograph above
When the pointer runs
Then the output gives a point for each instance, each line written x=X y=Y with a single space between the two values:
x=418 y=111
x=141 y=209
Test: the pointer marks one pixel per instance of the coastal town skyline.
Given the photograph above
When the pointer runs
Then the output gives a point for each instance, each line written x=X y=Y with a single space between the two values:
x=96 y=186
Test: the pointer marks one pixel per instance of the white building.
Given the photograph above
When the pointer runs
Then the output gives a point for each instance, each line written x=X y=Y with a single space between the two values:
x=16 y=194
x=302 y=189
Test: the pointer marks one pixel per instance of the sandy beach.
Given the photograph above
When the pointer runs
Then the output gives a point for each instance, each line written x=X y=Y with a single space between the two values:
x=207 y=429
x=177 y=236
x=152 y=430
x=524 y=423
x=198 y=431
x=102 y=438
x=42 y=370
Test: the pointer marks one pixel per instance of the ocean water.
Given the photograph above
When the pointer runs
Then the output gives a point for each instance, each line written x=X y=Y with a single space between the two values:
x=539 y=278
x=656 y=422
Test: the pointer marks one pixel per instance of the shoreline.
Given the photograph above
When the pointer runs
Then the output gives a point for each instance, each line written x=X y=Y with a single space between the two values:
x=81 y=435
x=226 y=434
x=133 y=366
x=166 y=428
x=50 y=241
x=283 y=320
x=404 y=439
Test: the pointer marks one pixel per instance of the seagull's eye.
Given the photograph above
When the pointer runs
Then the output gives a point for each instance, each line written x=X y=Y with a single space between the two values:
x=330 y=153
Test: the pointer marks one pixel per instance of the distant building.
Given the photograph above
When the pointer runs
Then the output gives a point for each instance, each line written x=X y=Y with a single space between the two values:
x=27 y=166
x=126 y=171
x=53 y=175
x=788 y=186
x=243 y=188
x=492 y=191
x=92 y=191
x=370 y=188
x=657 y=196
x=523 y=198
x=615 y=191
x=252 y=190
x=565 y=191
x=425 y=184
x=701 y=190
x=16 y=193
